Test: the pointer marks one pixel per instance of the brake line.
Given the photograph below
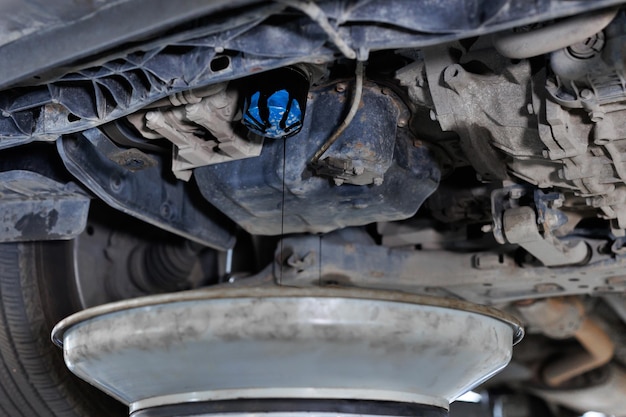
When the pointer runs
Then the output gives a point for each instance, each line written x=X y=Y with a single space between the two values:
x=356 y=101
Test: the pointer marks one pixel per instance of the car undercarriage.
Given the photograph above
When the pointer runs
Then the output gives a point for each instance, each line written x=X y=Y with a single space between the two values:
x=331 y=207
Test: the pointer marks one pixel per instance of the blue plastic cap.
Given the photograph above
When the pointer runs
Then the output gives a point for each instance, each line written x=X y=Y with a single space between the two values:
x=276 y=116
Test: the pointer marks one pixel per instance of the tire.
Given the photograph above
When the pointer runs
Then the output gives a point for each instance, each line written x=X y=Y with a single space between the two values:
x=36 y=291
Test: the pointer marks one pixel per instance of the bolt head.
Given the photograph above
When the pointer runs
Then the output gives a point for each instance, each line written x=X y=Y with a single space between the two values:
x=586 y=94
x=516 y=193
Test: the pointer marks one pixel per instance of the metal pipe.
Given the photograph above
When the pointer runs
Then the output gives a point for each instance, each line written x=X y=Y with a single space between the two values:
x=562 y=318
x=598 y=351
x=521 y=45
x=356 y=101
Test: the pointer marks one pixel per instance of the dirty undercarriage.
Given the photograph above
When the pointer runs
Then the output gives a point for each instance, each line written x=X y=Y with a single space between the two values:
x=471 y=150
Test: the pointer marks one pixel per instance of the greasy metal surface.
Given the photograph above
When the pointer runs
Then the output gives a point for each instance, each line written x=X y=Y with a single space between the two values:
x=559 y=128
x=34 y=207
x=250 y=191
x=286 y=343
x=520 y=226
x=350 y=258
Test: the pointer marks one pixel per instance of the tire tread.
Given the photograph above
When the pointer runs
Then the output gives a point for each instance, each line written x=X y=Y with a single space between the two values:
x=33 y=378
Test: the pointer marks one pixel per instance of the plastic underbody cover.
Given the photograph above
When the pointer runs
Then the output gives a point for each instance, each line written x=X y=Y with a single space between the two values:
x=373 y=148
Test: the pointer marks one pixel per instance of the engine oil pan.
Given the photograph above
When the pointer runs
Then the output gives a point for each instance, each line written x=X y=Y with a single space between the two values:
x=282 y=351
x=277 y=193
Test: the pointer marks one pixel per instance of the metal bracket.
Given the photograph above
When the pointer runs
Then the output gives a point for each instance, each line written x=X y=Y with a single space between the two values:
x=342 y=258
x=142 y=193
x=520 y=227
x=214 y=110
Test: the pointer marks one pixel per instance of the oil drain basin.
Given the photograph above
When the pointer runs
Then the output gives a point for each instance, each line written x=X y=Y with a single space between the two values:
x=287 y=351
